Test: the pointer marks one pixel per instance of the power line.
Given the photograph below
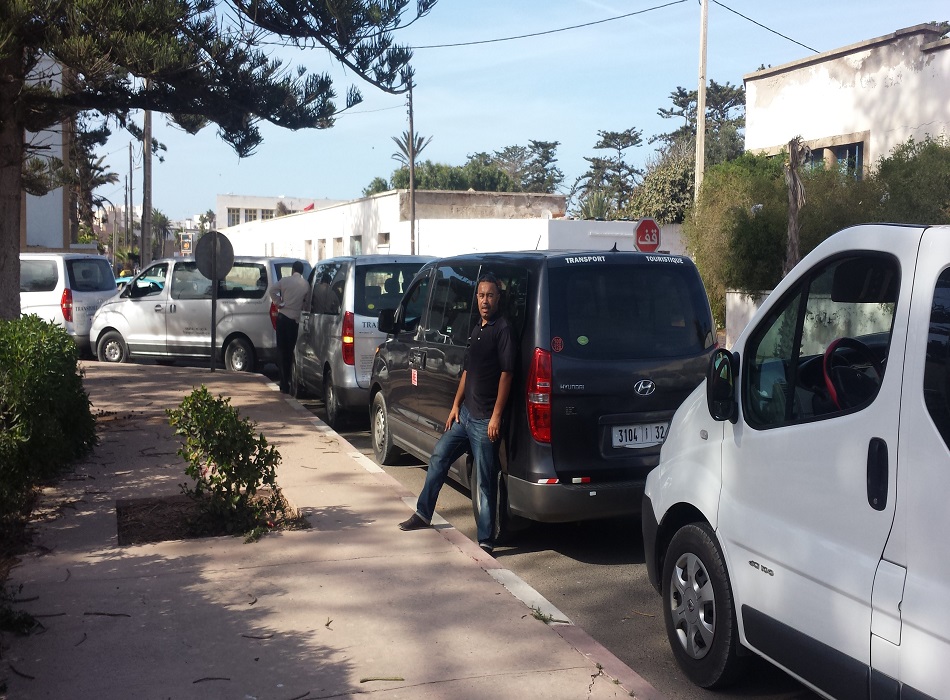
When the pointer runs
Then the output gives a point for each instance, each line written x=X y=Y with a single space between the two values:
x=550 y=31
x=768 y=29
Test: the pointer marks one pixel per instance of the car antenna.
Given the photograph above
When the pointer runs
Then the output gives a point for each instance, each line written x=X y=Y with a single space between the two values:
x=614 y=249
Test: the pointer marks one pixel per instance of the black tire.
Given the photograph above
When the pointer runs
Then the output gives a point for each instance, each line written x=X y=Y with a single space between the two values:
x=239 y=356
x=699 y=609
x=112 y=348
x=331 y=402
x=297 y=388
x=383 y=449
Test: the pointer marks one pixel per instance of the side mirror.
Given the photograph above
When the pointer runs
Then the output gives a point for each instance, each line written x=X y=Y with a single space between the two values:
x=721 y=386
x=386 y=323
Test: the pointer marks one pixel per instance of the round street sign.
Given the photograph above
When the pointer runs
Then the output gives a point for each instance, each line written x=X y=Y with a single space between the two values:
x=214 y=255
x=647 y=235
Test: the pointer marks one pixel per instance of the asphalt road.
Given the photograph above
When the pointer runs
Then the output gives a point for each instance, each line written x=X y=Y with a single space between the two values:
x=594 y=573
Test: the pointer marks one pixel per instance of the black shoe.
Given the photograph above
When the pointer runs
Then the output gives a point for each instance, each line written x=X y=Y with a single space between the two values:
x=284 y=389
x=486 y=547
x=414 y=523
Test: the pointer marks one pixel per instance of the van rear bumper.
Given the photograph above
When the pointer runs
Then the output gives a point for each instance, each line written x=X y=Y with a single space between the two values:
x=564 y=503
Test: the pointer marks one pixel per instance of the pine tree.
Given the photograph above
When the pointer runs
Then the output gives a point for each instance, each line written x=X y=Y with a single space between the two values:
x=197 y=61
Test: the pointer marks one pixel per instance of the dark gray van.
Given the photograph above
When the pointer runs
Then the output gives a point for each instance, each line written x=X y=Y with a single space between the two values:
x=610 y=345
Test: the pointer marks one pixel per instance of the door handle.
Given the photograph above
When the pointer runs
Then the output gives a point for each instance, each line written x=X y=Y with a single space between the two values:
x=158 y=308
x=877 y=474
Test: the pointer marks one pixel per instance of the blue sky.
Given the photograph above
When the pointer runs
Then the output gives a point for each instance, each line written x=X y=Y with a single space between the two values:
x=562 y=86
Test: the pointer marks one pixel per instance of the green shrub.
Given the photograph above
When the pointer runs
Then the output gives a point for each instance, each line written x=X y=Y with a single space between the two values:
x=45 y=416
x=227 y=462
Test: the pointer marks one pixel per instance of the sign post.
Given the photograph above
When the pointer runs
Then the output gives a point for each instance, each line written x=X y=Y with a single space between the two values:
x=647 y=235
x=215 y=257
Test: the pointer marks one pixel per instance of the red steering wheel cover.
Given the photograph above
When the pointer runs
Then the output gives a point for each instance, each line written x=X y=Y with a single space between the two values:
x=826 y=366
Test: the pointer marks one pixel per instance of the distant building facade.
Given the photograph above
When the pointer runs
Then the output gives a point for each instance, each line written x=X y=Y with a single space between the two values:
x=234 y=209
x=446 y=223
x=853 y=105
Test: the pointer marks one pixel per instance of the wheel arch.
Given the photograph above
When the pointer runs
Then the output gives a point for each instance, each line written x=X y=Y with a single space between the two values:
x=677 y=517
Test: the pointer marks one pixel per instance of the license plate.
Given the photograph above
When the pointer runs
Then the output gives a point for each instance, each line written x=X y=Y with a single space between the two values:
x=636 y=436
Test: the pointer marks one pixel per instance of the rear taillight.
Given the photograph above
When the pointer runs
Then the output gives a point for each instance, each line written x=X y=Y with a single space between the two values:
x=539 y=396
x=349 y=338
x=273 y=315
x=66 y=304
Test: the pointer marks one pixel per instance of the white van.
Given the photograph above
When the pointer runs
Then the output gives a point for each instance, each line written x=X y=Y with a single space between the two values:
x=338 y=337
x=165 y=313
x=799 y=509
x=65 y=289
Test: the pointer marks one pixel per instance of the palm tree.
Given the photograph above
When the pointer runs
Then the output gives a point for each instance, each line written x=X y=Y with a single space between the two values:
x=402 y=155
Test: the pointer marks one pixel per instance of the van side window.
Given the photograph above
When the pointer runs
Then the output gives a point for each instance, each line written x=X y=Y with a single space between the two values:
x=450 y=316
x=937 y=364
x=38 y=275
x=322 y=299
x=189 y=283
x=822 y=349
x=514 y=295
x=409 y=313
x=244 y=282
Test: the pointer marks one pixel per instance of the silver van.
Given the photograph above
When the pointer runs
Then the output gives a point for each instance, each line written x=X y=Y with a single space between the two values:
x=65 y=289
x=165 y=313
x=338 y=338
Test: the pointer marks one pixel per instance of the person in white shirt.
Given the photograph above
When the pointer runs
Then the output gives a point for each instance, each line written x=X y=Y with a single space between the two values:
x=290 y=294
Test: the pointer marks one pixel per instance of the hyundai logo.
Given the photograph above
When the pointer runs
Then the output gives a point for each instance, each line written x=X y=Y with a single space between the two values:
x=644 y=387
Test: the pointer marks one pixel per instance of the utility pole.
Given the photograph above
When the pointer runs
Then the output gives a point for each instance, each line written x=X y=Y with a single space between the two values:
x=131 y=231
x=146 y=254
x=701 y=103
x=412 y=179
x=126 y=236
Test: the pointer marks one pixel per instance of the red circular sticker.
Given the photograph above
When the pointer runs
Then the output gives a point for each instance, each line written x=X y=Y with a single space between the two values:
x=557 y=344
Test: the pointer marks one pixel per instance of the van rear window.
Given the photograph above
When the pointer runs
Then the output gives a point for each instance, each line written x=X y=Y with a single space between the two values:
x=38 y=275
x=629 y=311
x=90 y=275
x=381 y=286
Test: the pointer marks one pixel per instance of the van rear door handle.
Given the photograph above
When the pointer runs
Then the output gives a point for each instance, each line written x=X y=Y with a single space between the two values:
x=877 y=474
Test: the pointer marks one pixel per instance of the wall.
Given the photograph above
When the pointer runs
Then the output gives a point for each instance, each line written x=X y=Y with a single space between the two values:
x=878 y=92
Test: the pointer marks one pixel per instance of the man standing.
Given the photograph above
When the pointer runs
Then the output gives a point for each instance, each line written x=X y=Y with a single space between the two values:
x=476 y=417
x=289 y=294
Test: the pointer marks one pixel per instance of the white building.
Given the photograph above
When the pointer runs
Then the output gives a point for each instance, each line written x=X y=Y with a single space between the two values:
x=446 y=223
x=235 y=209
x=853 y=105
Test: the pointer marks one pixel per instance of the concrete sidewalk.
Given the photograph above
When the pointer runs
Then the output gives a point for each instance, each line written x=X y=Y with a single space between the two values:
x=349 y=607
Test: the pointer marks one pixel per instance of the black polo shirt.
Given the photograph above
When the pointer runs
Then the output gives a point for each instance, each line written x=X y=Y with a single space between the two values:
x=491 y=351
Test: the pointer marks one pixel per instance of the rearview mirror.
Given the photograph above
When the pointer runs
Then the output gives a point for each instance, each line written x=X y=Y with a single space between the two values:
x=721 y=386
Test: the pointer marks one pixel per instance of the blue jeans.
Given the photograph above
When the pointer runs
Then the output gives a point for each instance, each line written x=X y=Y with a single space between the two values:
x=467 y=434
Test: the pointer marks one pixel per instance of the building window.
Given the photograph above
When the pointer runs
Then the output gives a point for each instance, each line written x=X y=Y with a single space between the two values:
x=234 y=216
x=267 y=214
x=848 y=159
x=321 y=249
x=337 y=247
x=250 y=214
x=383 y=238
x=356 y=245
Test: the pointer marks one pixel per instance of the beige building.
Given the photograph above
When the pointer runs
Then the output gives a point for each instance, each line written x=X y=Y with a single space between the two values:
x=853 y=105
x=235 y=209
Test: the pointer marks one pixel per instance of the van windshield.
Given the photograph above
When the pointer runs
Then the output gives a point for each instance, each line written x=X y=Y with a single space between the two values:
x=629 y=311
x=381 y=286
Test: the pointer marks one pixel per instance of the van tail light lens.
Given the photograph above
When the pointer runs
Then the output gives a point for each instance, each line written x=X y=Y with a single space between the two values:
x=66 y=304
x=349 y=338
x=539 y=396
x=273 y=315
